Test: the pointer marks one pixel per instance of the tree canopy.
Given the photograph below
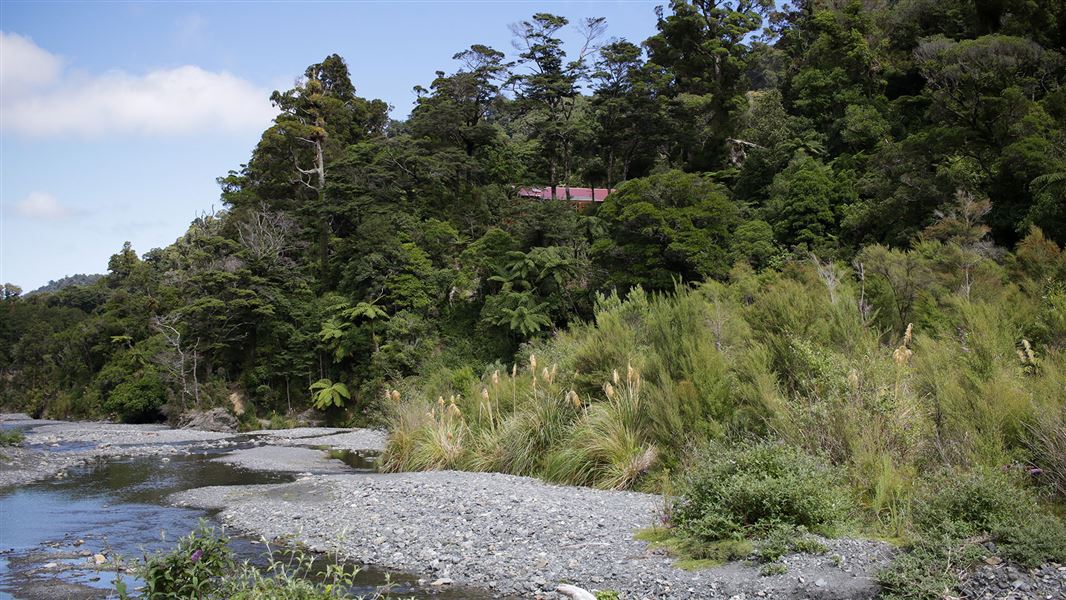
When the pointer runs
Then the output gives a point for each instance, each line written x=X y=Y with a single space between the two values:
x=354 y=249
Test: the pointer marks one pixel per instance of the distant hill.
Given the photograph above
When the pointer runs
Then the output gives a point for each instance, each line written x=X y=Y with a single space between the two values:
x=69 y=280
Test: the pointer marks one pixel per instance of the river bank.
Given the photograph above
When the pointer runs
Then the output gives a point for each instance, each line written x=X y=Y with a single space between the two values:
x=510 y=536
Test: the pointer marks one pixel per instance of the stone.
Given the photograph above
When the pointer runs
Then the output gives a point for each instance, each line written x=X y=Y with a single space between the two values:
x=215 y=419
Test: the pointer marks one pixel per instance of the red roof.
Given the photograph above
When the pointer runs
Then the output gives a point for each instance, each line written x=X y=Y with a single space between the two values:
x=562 y=192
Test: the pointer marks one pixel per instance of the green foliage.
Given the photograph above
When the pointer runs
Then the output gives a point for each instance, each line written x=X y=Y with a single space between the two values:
x=203 y=566
x=806 y=201
x=692 y=555
x=758 y=489
x=955 y=513
x=969 y=504
x=667 y=226
x=196 y=568
x=773 y=568
x=137 y=400
x=12 y=437
x=328 y=394
x=787 y=539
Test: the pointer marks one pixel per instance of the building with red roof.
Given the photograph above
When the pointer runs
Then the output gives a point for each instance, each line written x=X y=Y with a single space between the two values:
x=580 y=195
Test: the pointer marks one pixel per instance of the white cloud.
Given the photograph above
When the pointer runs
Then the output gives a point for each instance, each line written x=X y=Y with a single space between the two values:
x=24 y=66
x=179 y=101
x=43 y=206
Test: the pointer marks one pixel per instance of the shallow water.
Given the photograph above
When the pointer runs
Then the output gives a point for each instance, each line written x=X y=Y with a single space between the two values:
x=118 y=508
x=359 y=461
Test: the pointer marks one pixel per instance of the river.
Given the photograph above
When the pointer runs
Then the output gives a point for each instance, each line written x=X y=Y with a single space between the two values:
x=52 y=530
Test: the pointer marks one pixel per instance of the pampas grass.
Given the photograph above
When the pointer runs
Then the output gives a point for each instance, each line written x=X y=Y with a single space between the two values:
x=616 y=402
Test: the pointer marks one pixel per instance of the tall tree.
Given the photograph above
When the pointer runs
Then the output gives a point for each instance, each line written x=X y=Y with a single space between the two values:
x=549 y=89
x=704 y=47
x=629 y=122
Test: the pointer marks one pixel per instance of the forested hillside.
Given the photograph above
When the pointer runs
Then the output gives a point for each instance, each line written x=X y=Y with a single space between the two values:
x=64 y=282
x=355 y=251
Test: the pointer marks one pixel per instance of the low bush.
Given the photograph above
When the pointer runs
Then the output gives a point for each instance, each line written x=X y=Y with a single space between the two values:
x=970 y=504
x=196 y=568
x=1047 y=441
x=12 y=437
x=787 y=540
x=962 y=517
x=202 y=566
x=756 y=488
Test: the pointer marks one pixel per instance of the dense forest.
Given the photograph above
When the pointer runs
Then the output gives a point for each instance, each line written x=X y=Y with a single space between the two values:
x=837 y=223
x=361 y=250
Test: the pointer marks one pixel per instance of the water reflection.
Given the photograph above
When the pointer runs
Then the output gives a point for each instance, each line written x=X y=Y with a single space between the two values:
x=51 y=532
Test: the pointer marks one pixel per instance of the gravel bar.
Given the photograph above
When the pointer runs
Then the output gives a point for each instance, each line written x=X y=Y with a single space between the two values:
x=52 y=447
x=517 y=536
x=367 y=440
x=283 y=459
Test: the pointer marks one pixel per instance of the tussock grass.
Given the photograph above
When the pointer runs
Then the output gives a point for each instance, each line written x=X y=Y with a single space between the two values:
x=887 y=380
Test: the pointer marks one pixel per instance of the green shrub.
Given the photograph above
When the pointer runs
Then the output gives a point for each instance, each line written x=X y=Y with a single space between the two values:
x=753 y=489
x=773 y=568
x=954 y=514
x=970 y=504
x=1047 y=439
x=927 y=569
x=12 y=437
x=138 y=399
x=1039 y=539
x=203 y=567
x=691 y=554
x=280 y=421
x=787 y=540
x=196 y=568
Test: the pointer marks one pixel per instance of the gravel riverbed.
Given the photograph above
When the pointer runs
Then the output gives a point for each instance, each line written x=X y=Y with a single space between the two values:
x=52 y=447
x=516 y=536
x=372 y=440
x=283 y=459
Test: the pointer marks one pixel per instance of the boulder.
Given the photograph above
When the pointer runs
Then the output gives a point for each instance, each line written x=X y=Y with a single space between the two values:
x=215 y=419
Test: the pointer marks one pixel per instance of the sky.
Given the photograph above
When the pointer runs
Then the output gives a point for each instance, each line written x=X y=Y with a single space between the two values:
x=116 y=117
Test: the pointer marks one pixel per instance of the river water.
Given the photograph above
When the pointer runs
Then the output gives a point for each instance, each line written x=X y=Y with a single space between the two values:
x=50 y=531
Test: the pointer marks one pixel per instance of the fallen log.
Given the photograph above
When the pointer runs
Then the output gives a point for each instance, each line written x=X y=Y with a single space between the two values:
x=574 y=592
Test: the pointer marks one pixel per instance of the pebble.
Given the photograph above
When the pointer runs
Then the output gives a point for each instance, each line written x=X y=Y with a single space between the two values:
x=1004 y=581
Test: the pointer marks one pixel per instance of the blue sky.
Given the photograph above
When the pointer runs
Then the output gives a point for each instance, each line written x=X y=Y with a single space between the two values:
x=115 y=118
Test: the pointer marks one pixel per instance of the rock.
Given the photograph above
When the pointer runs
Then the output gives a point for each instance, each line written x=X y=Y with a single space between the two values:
x=821 y=583
x=574 y=592
x=99 y=559
x=216 y=419
x=309 y=418
x=442 y=581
